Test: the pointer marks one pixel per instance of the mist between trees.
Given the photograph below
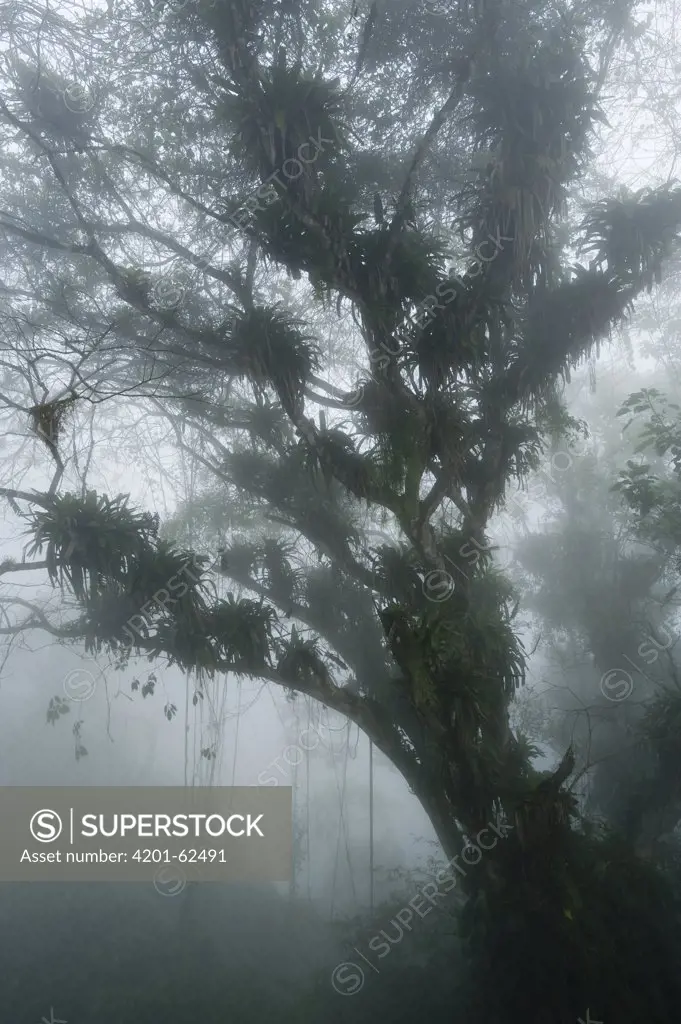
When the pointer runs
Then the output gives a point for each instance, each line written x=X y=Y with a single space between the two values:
x=347 y=978
x=340 y=374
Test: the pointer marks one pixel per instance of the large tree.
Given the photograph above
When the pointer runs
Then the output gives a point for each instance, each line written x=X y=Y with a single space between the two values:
x=411 y=178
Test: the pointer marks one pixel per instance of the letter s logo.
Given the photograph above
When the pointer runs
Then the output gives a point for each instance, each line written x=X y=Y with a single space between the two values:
x=45 y=826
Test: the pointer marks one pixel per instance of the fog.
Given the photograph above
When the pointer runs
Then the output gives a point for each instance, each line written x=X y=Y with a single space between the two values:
x=427 y=499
